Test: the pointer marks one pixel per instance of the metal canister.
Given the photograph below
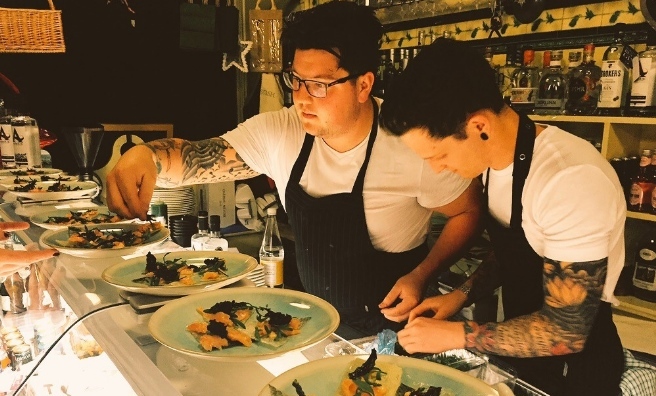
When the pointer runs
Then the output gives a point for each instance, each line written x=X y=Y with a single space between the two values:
x=16 y=335
x=159 y=212
x=20 y=355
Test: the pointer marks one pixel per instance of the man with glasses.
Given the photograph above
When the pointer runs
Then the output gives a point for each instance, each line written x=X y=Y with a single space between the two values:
x=359 y=202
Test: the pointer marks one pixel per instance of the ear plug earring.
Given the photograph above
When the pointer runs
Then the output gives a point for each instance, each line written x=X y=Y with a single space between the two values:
x=484 y=136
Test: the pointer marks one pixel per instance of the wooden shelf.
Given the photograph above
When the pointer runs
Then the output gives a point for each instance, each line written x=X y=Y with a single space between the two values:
x=641 y=216
x=636 y=306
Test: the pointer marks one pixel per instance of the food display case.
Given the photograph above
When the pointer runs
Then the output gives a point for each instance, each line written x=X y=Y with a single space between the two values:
x=87 y=337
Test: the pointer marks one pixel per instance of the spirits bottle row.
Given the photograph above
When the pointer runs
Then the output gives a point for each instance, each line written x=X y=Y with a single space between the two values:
x=624 y=84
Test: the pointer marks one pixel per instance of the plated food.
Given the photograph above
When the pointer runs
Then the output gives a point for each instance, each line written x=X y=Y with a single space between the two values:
x=383 y=375
x=12 y=181
x=62 y=218
x=29 y=172
x=136 y=276
x=40 y=191
x=105 y=240
x=275 y=322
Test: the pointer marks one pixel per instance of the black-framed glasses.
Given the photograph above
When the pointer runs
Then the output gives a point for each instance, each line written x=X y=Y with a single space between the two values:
x=317 y=89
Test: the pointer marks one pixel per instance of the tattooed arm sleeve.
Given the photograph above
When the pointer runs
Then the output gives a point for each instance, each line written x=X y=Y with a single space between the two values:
x=572 y=297
x=183 y=162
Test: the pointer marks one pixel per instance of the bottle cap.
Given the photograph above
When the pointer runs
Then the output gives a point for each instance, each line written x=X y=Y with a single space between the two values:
x=215 y=223
x=202 y=213
x=272 y=211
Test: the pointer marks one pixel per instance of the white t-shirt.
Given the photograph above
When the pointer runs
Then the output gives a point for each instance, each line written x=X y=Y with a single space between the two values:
x=399 y=187
x=574 y=206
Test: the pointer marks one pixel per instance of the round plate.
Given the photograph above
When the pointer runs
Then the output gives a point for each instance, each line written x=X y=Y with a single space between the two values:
x=168 y=324
x=88 y=189
x=10 y=181
x=322 y=377
x=29 y=172
x=122 y=274
x=41 y=219
x=58 y=239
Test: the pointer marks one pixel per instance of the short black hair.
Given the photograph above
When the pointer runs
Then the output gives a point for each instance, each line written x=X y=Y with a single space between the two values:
x=439 y=89
x=343 y=28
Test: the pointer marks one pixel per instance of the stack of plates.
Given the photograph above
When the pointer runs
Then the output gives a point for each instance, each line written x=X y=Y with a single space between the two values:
x=257 y=276
x=179 y=200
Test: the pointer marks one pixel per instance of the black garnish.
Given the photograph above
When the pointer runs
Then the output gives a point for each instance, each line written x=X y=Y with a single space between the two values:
x=366 y=366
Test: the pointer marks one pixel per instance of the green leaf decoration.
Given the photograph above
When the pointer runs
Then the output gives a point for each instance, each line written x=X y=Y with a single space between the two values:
x=589 y=14
x=408 y=36
x=574 y=21
x=536 y=24
x=458 y=30
x=614 y=16
x=516 y=22
x=474 y=33
x=504 y=28
x=400 y=43
x=387 y=39
x=633 y=9
x=486 y=27
x=550 y=18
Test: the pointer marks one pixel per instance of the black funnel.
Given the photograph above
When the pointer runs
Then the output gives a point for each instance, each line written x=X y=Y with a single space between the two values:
x=84 y=142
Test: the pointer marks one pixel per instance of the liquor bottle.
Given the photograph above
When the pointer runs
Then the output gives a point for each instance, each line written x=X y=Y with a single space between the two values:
x=583 y=85
x=642 y=185
x=391 y=68
x=546 y=63
x=272 y=253
x=405 y=58
x=203 y=233
x=643 y=98
x=552 y=88
x=615 y=75
x=644 y=273
x=25 y=133
x=215 y=241
x=504 y=77
x=525 y=84
x=379 y=82
x=6 y=140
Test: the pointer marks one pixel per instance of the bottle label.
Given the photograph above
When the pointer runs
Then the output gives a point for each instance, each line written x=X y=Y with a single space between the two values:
x=26 y=145
x=644 y=77
x=644 y=276
x=7 y=146
x=273 y=271
x=523 y=95
x=549 y=103
x=635 y=195
x=612 y=81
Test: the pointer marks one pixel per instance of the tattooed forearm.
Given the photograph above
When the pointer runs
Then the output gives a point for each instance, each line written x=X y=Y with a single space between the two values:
x=181 y=162
x=572 y=297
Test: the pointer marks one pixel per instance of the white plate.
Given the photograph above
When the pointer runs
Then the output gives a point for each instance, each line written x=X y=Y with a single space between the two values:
x=88 y=189
x=29 y=172
x=58 y=239
x=122 y=274
x=322 y=377
x=11 y=181
x=41 y=219
x=168 y=324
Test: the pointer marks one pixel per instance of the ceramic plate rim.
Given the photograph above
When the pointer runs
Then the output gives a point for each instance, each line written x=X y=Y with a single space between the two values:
x=236 y=294
x=34 y=218
x=48 y=171
x=102 y=253
x=54 y=195
x=285 y=379
x=180 y=290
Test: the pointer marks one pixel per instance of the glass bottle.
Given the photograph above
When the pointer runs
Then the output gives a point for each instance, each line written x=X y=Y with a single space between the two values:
x=391 y=68
x=643 y=98
x=272 y=253
x=525 y=84
x=642 y=185
x=504 y=77
x=546 y=62
x=25 y=133
x=644 y=273
x=615 y=75
x=583 y=85
x=203 y=233
x=6 y=140
x=552 y=88
x=379 y=82
x=215 y=241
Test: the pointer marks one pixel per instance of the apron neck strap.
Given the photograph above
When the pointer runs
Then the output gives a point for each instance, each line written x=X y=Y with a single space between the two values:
x=521 y=165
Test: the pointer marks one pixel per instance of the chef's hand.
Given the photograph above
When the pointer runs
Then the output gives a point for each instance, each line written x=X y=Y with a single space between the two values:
x=439 y=307
x=131 y=183
x=431 y=335
x=14 y=260
x=408 y=289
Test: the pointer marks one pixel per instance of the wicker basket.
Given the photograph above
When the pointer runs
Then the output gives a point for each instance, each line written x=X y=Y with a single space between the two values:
x=31 y=31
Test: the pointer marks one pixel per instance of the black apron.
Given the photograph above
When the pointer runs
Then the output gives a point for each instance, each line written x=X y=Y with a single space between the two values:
x=335 y=257
x=598 y=368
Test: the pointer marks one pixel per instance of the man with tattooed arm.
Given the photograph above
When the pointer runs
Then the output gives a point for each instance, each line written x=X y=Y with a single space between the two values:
x=556 y=214
x=358 y=200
